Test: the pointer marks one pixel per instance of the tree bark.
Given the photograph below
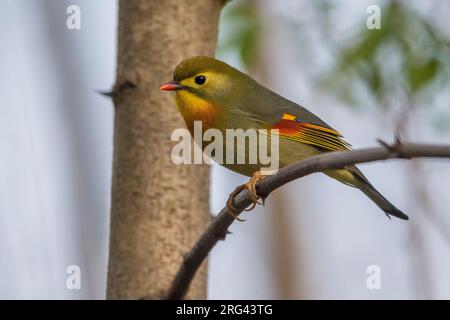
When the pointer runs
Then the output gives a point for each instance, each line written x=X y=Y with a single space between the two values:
x=158 y=209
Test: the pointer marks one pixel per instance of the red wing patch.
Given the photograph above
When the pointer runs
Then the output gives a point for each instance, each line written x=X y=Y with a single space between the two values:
x=312 y=134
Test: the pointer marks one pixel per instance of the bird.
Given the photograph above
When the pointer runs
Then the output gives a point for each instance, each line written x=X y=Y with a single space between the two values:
x=222 y=97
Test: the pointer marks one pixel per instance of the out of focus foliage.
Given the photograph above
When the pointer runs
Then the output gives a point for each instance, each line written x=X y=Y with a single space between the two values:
x=240 y=31
x=405 y=63
x=408 y=56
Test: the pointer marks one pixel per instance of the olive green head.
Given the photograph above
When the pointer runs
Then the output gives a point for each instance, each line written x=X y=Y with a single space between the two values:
x=209 y=79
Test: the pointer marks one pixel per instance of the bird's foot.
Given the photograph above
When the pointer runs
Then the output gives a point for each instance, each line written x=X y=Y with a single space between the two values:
x=231 y=209
x=251 y=187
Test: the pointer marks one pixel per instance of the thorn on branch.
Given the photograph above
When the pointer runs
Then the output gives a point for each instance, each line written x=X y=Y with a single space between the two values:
x=394 y=149
x=397 y=138
x=117 y=89
x=385 y=144
x=398 y=144
x=107 y=94
x=263 y=201
x=222 y=236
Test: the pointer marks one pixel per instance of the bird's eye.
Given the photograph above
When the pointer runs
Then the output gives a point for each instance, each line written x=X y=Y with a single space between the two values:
x=200 y=80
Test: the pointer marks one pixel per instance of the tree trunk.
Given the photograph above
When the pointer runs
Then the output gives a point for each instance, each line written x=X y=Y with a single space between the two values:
x=158 y=208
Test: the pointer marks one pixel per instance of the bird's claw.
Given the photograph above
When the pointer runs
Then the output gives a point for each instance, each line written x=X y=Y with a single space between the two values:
x=231 y=209
x=251 y=187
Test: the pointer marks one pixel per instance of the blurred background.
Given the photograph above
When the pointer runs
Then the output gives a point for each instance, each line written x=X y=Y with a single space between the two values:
x=315 y=238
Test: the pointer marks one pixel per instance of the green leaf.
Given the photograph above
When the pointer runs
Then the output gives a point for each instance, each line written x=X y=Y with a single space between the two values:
x=369 y=43
x=421 y=74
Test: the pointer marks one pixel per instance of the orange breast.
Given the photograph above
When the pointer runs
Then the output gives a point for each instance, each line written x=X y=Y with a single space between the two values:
x=193 y=108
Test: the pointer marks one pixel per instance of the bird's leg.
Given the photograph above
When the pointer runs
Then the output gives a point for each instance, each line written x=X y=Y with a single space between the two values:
x=251 y=187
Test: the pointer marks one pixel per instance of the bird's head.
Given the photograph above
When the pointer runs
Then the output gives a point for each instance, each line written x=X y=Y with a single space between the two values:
x=206 y=85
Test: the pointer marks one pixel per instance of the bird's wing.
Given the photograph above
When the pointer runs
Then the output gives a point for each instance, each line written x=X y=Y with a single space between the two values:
x=310 y=133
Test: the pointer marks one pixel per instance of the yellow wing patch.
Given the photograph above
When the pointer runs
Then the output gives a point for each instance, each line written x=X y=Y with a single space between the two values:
x=288 y=116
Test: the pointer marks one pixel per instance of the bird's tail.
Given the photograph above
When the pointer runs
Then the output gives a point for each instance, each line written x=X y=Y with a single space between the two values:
x=384 y=204
x=358 y=180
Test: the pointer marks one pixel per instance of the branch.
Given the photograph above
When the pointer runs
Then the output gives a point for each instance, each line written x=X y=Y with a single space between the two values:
x=218 y=228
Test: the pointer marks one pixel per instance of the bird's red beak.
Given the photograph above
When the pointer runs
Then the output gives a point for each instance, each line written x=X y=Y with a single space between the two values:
x=171 y=86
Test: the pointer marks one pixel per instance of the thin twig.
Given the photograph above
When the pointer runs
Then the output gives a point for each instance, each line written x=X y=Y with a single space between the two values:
x=218 y=228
